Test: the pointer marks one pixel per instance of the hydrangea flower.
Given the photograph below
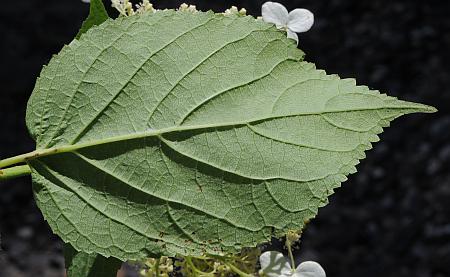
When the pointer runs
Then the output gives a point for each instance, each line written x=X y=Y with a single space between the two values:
x=273 y=264
x=296 y=21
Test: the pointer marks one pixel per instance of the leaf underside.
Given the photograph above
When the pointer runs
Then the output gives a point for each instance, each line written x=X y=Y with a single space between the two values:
x=193 y=133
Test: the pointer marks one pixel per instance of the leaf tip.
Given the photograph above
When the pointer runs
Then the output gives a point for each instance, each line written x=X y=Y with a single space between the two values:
x=421 y=108
x=430 y=109
x=411 y=107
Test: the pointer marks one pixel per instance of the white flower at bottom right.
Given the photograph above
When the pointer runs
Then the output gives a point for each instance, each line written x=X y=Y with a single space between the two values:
x=274 y=264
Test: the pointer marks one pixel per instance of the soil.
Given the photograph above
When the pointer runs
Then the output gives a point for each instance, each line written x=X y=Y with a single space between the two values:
x=389 y=219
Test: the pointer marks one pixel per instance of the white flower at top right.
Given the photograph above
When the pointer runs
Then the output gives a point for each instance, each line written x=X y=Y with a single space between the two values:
x=296 y=21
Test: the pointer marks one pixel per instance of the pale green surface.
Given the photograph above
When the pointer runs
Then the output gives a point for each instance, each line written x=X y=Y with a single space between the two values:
x=182 y=133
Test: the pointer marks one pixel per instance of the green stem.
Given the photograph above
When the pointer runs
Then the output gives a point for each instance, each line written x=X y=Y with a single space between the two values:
x=289 y=247
x=197 y=271
x=237 y=270
x=232 y=266
x=16 y=160
x=14 y=172
x=157 y=267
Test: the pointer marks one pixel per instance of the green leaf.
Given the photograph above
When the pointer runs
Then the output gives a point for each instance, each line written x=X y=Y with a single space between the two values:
x=97 y=15
x=79 y=264
x=179 y=133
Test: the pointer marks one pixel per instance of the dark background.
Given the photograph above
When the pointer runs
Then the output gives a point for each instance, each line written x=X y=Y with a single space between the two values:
x=392 y=218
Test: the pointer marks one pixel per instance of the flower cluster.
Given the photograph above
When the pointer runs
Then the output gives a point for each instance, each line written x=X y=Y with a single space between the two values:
x=154 y=267
x=235 y=11
x=187 y=8
x=125 y=7
x=296 y=21
x=145 y=6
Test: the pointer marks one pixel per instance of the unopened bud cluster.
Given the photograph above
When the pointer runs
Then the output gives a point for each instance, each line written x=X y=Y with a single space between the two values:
x=125 y=7
x=235 y=11
x=153 y=267
x=187 y=8
x=292 y=237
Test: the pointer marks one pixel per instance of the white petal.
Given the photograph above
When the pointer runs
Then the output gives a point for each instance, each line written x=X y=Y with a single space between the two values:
x=292 y=35
x=275 y=13
x=309 y=269
x=86 y=1
x=300 y=20
x=273 y=264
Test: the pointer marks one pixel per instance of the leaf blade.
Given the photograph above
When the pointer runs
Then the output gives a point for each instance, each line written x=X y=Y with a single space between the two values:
x=203 y=133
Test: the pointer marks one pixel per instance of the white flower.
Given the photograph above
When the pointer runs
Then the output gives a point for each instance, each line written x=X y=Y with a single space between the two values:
x=86 y=1
x=273 y=264
x=296 y=21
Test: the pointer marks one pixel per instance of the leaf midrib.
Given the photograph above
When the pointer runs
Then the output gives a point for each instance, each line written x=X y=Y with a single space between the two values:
x=41 y=152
